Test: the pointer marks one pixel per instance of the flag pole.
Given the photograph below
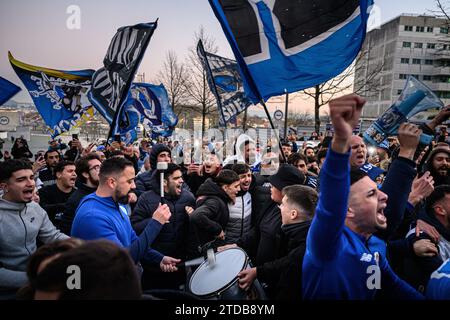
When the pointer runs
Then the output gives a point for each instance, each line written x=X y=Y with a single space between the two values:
x=273 y=128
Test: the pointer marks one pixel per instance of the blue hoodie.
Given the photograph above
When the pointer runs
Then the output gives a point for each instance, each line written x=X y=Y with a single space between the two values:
x=439 y=285
x=103 y=218
x=339 y=263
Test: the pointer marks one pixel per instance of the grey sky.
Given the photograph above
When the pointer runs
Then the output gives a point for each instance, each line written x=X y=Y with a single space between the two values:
x=36 y=33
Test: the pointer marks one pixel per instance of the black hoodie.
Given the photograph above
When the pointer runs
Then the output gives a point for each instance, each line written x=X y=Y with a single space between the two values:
x=211 y=216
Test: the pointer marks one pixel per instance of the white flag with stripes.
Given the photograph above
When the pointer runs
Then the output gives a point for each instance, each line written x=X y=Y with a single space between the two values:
x=111 y=83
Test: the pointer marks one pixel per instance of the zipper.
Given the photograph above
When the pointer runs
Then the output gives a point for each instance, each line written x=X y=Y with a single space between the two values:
x=26 y=232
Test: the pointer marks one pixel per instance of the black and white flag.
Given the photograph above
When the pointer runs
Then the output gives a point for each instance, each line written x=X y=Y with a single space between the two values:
x=225 y=83
x=111 y=83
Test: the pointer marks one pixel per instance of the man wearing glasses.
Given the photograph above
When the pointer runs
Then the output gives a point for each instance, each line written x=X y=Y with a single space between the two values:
x=87 y=169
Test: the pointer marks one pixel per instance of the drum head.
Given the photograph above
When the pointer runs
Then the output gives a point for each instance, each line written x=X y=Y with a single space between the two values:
x=208 y=280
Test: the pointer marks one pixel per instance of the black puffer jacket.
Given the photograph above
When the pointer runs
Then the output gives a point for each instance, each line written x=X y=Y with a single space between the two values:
x=173 y=237
x=212 y=214
x=261 y=242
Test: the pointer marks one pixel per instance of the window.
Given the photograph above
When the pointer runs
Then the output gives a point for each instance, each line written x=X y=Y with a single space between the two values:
x=403 y=76
x=429 y=29
x=420 y=29
x=444 y=30
x=408 y=28
x=416 y=61
x=426 y=78
x=431 y=46
x=428 y=62
x=418 y=45
x=399 y=91
x=404 y=60
x=415 y=76
x=406 y=44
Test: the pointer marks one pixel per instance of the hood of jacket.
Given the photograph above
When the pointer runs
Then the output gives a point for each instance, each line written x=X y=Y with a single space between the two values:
x=210 y=188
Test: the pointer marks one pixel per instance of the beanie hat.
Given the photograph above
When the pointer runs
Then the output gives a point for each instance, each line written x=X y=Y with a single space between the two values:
x=156 y=150
x=287 y=175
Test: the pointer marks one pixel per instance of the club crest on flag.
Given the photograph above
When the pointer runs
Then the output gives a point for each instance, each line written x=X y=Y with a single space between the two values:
x=59 y=96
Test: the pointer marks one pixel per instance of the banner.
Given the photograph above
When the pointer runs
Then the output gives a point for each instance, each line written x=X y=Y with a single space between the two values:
x=111 y=83
x=225 y=83
x=291 y=45
x=148 y=105
x=59 y=96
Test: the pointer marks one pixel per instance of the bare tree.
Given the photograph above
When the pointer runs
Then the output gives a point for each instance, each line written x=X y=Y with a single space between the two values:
x=442 y=10
x=197 y=85
x=173 y=76
x=368 y=85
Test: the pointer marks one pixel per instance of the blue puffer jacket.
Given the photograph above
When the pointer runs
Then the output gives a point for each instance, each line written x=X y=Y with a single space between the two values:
x=173 y=237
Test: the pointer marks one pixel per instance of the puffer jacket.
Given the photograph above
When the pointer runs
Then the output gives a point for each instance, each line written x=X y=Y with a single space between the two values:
x=212 y=214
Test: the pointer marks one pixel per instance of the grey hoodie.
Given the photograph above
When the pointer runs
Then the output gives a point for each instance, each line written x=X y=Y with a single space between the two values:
x=20 y=225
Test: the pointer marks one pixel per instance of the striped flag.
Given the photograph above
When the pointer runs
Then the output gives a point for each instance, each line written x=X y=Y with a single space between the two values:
x=110 y=84
x=225 y=83
x=287 y=45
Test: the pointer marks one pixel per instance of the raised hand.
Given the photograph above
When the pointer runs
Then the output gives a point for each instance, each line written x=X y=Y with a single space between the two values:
x=345 y=113
x=408 y=136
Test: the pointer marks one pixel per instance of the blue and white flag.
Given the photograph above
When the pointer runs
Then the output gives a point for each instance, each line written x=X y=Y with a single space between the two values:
x=225 y=83
x=291 y=45
x=7 y=90
x=147 y=104
x=59 y=96
x=111 y=84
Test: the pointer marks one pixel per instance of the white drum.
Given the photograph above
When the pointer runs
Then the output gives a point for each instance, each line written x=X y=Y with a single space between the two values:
x=220 y=281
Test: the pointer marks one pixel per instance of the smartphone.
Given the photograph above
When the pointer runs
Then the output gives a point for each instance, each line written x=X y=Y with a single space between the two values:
x=117 y=138
x=75 y=136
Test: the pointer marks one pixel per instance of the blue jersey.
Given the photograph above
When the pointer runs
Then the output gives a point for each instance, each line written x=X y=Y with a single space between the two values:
x=438 y=287
x=339 y=263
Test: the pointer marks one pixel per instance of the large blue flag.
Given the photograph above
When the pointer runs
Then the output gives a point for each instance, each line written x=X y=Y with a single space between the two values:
x=292 y=45
x=111 y=83
x=225 y=83
x=59 y=96
x=146 y=104
x=7 y=90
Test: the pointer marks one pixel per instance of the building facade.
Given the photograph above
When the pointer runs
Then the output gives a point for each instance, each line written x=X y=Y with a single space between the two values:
x=415 y=45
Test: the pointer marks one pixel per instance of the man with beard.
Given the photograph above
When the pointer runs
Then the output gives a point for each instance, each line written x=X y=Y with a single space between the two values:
x=87 y=169
x=173 y=238
x=429 y=254
x=438 y=163
x=47 y=176
x=102 y=215
x=22 y=223
x=54 y=197
x=344 y=260
x=197 y=174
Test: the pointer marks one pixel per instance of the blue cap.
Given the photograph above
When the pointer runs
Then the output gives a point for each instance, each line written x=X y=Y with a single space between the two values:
x=384 y=145
x=101 y=148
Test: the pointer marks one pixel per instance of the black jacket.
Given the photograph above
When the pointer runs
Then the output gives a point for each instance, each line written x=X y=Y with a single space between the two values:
x=53 y=200
x=212 y=214
x=261 y=242
x=65 y=224
x=143 y=182
x=285 y=273
x=417 y=270
x=21 y=152
x=173 y=237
